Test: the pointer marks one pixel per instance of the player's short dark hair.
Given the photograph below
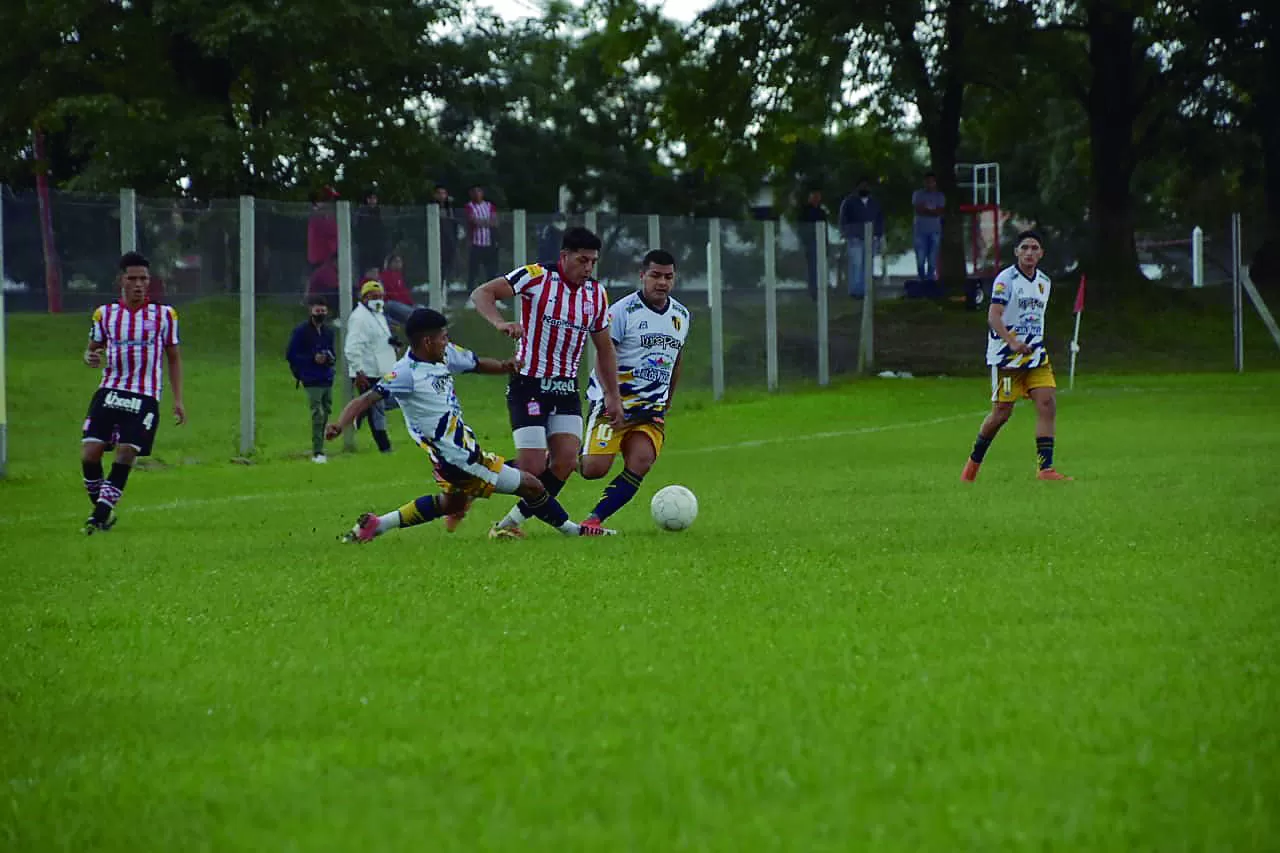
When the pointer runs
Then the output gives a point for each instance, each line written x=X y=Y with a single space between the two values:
x=422 y=322
x=578 y=238
x=1022 y=235
x=661 y=257
x=316 y=299
x=134 y=259
x=931 y=174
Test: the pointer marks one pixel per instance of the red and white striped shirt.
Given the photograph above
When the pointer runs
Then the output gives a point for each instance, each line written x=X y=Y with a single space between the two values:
x=135 y=342
x=477 y=212
x=557 y=318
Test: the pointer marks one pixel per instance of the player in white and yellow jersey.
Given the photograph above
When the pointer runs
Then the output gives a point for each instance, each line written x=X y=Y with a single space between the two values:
x=649 y=330
x=422 y=383
x=1017 y=356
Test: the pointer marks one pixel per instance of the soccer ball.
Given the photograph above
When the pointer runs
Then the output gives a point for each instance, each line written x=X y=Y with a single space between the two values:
x=674 y=508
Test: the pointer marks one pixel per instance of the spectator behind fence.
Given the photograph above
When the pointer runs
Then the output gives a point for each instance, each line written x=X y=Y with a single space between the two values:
x=482 y=223
x=392 y=278
x=370 y=234
x=311 y=359
x=855 y=212
x=324 y=284
x=448 y=232
x=549 y=241
x=371 y=353
x=322 y=230
x=813 y=215
x=926 y=232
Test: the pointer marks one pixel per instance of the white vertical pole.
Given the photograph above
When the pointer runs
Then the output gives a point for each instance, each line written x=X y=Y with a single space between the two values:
x=1237 y=294
x=4 y=406
x=128 y=221
x=590 y=220
x=717 y=313
x=655 y=231
x=345 y=304
x=1197 y=257
x=771 y=303
x=248 y=317
x=435 y=274
x=520 y=238
x=824 y=354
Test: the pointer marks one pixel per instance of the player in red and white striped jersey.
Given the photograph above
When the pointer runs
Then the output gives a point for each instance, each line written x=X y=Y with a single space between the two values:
x=126 y=340
x=558 y=309
x=482 y=226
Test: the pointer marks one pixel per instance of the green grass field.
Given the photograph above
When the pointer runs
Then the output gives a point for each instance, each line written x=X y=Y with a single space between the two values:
x=849 y=651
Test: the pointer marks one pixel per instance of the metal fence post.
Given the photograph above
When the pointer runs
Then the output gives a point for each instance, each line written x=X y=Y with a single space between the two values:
x=435 y=269
x=714 y=301
x=1237 y=294
x=345 y=304
x=771 y=303
x=824 y=332
x=248 y=330
x=4 y=406
x=1197 y=257
x=128 y=221
x=866 y=343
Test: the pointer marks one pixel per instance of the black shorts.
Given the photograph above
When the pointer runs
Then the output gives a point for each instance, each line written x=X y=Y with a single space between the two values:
x=122 y=417
x=531 y=401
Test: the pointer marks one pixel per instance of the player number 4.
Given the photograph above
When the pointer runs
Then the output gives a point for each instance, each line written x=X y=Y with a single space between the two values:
x=148 y=420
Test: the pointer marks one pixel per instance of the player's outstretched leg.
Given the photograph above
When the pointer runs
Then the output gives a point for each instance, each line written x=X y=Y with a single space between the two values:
x=998 y=417
x=638 y=456
x=553 y=470
x=427 y=508
x=1046 y=401
x=544 y=507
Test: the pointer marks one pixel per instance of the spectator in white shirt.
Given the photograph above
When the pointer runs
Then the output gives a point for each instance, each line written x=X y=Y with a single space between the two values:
x=370 y=349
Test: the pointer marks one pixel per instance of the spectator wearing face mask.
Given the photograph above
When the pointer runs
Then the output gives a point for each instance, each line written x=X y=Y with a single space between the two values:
x=855 y=212
x=371 y=353
x=311 y=359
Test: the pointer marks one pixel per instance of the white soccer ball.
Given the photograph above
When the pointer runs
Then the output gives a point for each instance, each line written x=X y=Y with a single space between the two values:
x=674 y=508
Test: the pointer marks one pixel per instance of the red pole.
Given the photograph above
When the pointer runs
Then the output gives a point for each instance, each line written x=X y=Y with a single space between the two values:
x=52 y=269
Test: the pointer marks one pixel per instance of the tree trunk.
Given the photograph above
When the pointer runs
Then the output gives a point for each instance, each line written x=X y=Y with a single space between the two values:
x=944 y=141
x=1112 y=108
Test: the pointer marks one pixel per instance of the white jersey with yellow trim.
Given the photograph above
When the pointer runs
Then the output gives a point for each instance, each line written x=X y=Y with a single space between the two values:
x=1025 y=299
x=432 y=413
x=648 y=343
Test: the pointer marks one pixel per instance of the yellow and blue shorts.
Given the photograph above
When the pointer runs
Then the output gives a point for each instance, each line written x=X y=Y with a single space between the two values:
x=601 y=439
x=479 y=479
x=1009 y=385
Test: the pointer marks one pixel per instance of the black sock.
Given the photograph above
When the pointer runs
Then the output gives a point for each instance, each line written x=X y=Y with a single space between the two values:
x=622 y=489
x=110 y=492
x=547 y=508
x=381 y=439
x=553 y=485
x=1044 y=451
x=92 y=479
x=980 y=448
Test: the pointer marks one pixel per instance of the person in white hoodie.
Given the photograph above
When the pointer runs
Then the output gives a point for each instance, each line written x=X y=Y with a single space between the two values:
x=371 y=353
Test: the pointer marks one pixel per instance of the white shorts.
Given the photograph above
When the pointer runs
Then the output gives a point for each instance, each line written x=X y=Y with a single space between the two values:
x=535 y=437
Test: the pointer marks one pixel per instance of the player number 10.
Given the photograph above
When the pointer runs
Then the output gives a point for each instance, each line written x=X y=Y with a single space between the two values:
x=603 y=433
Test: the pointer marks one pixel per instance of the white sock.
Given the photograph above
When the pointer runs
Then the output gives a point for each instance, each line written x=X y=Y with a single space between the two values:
x=390 y=521
x=514 y=518
x=569 y=528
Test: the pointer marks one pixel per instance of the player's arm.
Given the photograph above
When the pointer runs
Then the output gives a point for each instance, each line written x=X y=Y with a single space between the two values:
x=607 y=373
x=494 y=366
x=485 y=298
x=352 y=412
x=97 y=341
x=995 y=319
x=173 y=355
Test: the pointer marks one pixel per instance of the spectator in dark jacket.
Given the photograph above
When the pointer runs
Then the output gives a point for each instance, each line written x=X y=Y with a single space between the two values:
x=549 y=241
x=855 y=212
x=311 y=359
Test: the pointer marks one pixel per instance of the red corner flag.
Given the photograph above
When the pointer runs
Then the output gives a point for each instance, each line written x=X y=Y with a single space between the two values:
x=1079 y=297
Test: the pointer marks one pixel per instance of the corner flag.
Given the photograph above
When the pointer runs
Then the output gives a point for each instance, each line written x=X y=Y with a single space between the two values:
x=1075 y=339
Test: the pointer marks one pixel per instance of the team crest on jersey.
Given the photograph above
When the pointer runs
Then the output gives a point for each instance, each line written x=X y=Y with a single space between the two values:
x=644 y=324
x=675 y=323
x=390 y=376
x=1042 y=288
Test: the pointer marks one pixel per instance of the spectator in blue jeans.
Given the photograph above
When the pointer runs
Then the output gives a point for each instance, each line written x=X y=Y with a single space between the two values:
x=855 y=212
x=929 y=205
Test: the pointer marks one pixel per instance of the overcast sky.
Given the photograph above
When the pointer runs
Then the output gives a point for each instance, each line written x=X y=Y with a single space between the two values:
x=682 y=10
